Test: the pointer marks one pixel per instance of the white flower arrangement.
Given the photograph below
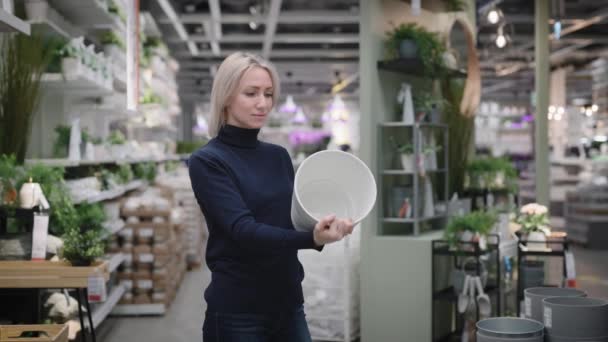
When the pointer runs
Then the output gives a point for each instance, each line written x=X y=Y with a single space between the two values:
x=533 y=217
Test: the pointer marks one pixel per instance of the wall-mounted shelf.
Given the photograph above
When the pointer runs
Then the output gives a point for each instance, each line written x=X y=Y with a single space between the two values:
x=53 y=24
x=11 y=23
x=75 y=84
x=413 y=67
x=112 y=194
x=139 y=309
x=85 y=13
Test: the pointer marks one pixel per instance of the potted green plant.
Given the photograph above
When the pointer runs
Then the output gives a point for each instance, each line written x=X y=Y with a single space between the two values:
x=471 y=227
x=455 y=5
x=406 y=154
x=430 y=156
x=23 y=61
x=111 y=39
x=82 y=248
x=413 y=41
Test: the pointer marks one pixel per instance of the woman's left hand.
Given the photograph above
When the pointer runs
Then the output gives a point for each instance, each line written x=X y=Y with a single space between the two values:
x=344 y=226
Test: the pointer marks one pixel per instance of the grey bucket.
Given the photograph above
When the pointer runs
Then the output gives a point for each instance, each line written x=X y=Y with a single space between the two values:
x=576 y=318
x=509 y=329
x=533 y=307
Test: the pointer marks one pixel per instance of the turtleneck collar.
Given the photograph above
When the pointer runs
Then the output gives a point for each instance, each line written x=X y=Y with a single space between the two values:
x=237 y=136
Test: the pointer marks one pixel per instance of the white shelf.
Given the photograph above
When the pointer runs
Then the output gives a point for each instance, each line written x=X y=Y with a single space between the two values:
x=85 y=13
x=71 y=163
x=76 y=85
x=114 y=193
x=113 y=227
x=401 y=124
x=115 y=261
x=102 y=311
x=138 y=309
x=54 y=24
x=10 y=23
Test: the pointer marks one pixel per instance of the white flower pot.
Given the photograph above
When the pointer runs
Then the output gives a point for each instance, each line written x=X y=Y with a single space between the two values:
x=431 y=161
x=537 y=236
x=71 y=68
x=408 y=162
x=36 y=10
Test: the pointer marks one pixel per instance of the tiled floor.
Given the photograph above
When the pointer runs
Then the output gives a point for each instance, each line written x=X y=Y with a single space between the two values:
x=184 y=319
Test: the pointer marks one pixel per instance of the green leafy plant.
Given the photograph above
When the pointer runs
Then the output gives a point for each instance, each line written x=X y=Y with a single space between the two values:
x=455 y=5
x=111 y=38
x=107 y=179
x=401 y=148
x=22 y=63
x=82 y=248
x=116 y=138
x=460 y=139
x=145 y=171
x=171 y=166
x=68 y=50
x=431 y=149
x=430 y=47
x=63 y=214
x=124 y=173
x=62 y=141
x=150 y=97
x=476 y=222
x=91 y=216
x=425 y=102
x=482 y=173
x=117 y=10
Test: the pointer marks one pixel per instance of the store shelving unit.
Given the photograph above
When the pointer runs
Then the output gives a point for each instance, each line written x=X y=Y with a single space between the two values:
x=557 y=247
x=447 y=326
x=392 y=176
x=11 y=23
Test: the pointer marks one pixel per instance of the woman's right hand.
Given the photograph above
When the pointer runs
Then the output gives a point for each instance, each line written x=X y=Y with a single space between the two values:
x=329 y=229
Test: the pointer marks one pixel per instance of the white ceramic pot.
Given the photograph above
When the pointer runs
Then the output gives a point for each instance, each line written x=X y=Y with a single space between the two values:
x=36 y=10
x=539 y=239
x=431 y=160
x=408 y=162
x=71 y=68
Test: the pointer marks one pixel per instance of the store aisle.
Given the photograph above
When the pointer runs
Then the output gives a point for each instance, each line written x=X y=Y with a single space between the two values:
x=183 y=322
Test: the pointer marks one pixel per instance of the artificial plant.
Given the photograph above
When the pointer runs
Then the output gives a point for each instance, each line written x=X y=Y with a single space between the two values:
x=460 y=138
x=23 y=61
x=477 y=223
x=430 y=47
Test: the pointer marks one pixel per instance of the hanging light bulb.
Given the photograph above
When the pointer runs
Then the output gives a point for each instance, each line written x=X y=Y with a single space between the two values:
x=594 y=108
x=494 y=16
x=253 y=25
x=337 y=108
x=289 y=106
x=501 y=39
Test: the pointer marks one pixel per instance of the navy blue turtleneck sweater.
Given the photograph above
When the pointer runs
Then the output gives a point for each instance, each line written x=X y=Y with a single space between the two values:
x=244 y=188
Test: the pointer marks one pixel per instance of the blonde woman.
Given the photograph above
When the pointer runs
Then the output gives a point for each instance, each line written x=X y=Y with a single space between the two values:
x=244 y=188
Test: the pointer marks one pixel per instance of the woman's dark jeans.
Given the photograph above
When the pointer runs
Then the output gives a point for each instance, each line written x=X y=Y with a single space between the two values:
x=283 y=327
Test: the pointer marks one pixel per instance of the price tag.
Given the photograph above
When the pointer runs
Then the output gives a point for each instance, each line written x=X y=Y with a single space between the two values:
x=528 y=307
x=146 y=258
x=97 y=288
x=570 y=268
x=144 y=284
x=39 y=236
x=548 y=317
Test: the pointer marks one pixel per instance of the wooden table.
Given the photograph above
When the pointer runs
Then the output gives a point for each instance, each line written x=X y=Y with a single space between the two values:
x=54 y=275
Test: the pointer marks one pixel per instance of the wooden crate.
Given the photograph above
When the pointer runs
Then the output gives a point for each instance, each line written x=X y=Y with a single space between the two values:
x=53 y=332
x=48 y=274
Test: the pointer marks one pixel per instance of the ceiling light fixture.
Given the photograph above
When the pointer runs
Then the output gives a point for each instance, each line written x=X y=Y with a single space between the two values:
x=253 y=25
x=494 y=16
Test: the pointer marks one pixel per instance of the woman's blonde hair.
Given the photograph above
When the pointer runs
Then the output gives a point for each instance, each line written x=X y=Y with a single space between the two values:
x=227 y=80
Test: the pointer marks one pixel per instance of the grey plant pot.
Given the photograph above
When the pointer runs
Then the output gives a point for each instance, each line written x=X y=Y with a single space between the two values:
x=534 y=299
x=408 y=49
x=509 y=329
x=577 y=318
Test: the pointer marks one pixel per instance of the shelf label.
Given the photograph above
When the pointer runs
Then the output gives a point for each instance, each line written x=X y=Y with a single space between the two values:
x=39 y=236
x=570 y=268
x=548 y=317
x=528 y=307
x=97 y=288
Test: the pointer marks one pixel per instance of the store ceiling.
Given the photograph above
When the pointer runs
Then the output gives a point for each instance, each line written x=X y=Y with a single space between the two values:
x=313 y=43
x=509 y=73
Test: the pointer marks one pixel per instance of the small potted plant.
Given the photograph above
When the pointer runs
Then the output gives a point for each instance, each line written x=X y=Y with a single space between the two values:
x=406 y=155
x=430 y=156
x=534 y=221
x=472 y=227
x=82 y=249
x=413 y=41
